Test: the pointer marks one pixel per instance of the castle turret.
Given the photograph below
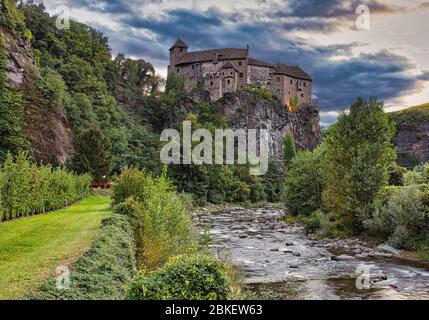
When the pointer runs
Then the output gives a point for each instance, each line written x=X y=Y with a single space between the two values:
x=178 y=49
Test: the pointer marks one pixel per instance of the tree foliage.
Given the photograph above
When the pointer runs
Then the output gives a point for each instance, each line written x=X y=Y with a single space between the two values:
x=289 y=149
x=93 y=153
x=359 y=153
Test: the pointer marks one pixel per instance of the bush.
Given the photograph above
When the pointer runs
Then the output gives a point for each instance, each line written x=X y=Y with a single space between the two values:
x=303 y=189
x=187 y=277
x=312 y=222
x=158 y=214
x=104 y=271
x=400 y=219
x=27 y=189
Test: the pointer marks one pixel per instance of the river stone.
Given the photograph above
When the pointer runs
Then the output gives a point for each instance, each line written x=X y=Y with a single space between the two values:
x=289 y=243
x=296 y=254
x=243 y=236
x=274 y=249
x=293 y=266
x=388 y=249
x=284 y=250
x=343 y=257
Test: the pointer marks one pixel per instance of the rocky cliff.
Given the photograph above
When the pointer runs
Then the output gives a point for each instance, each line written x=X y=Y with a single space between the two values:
x=247 y=110
x=46 y=128
x=412 y=135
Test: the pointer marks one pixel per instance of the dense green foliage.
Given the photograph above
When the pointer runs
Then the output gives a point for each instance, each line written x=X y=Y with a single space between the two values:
x=289 y=149
x=359 y=153
x=93 y=153
x=77 y=73
x=104 y=270
x=27 y=188
x=188 y=277
x=303 y=189
x=158 y=214
x=401 y=218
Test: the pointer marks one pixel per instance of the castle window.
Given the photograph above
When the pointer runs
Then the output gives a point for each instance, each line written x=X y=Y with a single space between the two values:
x=181 y=50
x=240 y=63
x=241 y=75
x=211 y=83
x=278 y=79
x=231 y=73
x=291 y=81
x=305 y=84
x=178 y=70
x=302 y=95
x=193 y=66
x=229 y=81
x=289 y=92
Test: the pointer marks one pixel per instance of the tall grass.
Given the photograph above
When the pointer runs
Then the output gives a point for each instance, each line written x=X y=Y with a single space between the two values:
x=27 y=188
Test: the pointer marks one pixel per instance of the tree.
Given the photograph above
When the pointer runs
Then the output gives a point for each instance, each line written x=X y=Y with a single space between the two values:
x=289 y=149
x=93 y=153
x=303 y=189
x=359 y=153
x=273 y=182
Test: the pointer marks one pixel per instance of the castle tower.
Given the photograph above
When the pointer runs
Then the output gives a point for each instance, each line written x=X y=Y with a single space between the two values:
x=178 y=49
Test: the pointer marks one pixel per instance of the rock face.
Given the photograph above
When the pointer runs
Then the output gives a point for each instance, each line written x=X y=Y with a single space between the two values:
x=46 y=128
x=412 y=135
x=18 y=60
x=245 y=110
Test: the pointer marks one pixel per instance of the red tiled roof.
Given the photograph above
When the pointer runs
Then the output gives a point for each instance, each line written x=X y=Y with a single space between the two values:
x=293 y=71
x=209 y=55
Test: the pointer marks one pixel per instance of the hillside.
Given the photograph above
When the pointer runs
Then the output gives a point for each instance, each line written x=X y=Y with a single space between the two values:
x=412 y=136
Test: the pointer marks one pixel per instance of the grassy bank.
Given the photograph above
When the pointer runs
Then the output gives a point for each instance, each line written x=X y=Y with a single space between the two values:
x=31 y=248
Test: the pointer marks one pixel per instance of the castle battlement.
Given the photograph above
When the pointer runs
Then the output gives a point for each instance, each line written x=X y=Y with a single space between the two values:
x=228 y=69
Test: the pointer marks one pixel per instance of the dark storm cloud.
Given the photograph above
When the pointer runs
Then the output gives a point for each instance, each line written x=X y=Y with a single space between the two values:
x=336 y=82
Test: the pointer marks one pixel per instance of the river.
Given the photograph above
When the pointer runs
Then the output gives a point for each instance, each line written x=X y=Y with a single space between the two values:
x=278 y=261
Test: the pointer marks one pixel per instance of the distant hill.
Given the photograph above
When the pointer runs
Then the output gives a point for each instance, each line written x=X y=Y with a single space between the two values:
x=412 y=137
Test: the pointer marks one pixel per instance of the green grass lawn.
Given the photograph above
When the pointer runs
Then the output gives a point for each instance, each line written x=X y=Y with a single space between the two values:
x=31 y=248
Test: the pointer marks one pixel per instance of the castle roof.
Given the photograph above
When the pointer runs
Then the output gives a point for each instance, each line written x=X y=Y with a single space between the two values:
x=228 y=65
x=293 y=71
x=210 y=55
x=259 y=63
x=179 y=44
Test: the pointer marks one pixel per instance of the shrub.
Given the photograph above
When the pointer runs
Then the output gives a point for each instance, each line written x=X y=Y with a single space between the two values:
x=312 y=222
x=159 y=217
x=27 y=189
x=187 y=277
x=129 y=184
x=103 y=272
x=303 y=189
x=401 y=219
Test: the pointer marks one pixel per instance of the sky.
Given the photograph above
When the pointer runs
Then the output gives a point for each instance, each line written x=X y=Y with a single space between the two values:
x=351 y=48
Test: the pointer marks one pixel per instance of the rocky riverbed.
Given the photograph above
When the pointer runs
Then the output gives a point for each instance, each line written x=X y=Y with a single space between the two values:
x=279 y=261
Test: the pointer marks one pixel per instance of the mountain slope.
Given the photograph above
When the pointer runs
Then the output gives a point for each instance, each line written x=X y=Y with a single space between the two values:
x=412 y=136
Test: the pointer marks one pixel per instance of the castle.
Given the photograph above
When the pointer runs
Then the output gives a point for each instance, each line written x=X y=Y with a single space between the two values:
x=226 y=70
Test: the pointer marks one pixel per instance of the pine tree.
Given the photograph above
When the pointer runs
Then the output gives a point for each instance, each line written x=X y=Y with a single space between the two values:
x=93 y=153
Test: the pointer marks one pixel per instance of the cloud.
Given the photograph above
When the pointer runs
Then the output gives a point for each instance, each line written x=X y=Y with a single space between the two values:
x=269 y=32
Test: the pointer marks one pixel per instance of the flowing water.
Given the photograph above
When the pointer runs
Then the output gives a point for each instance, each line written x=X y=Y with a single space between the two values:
x=280 y=262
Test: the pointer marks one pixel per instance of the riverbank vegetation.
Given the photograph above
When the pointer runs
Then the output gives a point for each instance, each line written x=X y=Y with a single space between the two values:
x=343 y=188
